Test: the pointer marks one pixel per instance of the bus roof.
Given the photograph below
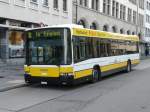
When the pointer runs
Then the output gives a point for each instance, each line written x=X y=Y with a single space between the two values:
x=78 y=30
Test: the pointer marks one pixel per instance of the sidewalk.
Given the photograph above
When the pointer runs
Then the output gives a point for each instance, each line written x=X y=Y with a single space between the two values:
x=11 y=74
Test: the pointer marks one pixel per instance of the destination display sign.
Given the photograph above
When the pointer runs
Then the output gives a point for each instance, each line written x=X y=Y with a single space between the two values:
x=44 y=34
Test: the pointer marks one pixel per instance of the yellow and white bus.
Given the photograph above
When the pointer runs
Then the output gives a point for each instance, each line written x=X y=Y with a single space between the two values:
x=70 y=54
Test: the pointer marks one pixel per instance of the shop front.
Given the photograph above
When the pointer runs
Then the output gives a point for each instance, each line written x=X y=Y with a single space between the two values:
x=11 y=42
x=16 y=44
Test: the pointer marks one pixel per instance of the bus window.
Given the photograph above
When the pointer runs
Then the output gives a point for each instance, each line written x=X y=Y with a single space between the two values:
x=82 y=48
x=76 y=49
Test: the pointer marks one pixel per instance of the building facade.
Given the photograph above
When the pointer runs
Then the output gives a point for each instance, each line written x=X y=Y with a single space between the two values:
x=18 y=15
x=147 y=26
x=119 y=16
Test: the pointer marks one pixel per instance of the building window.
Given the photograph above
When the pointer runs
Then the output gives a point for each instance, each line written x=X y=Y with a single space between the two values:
x=124 y=12
x=133 y=1
x=45 y=2
x=34 y=4
x=104 y=6
x=19 y=2
x=147 y=32
x=121 y=11
x=147 y=5
x=108 y=7
x=64 y=5
x=5 y=1
x=141 y=20
x=121 y=31
x=134 y=17
x=81 y=22
x=114 y=29
x=55 y=4
x=34 y=1
x=128 y=32
x=81 y=2
x=133 y=33
x=113 y=8
x=117 y=9
x=141 y=4
x=93 y=26
x=105 y=28
x=85 y=3
x=97 y=5
x=147 y=18
x=92 y=3
x=129 y=15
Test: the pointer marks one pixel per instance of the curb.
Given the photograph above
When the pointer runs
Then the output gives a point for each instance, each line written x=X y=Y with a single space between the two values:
x=13 y=87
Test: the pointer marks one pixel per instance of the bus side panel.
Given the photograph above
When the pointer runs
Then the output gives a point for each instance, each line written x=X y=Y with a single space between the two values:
x=107 y=65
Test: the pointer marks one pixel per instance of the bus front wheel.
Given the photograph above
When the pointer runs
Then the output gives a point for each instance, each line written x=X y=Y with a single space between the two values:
x=95 y=75
x=28 y=80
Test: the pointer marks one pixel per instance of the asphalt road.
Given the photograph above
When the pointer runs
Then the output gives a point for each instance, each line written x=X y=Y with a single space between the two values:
x=121 y=92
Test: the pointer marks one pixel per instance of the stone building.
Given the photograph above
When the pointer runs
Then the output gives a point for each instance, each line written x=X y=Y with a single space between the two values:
x=18 y=15
x=119 y=16
x=147 y=26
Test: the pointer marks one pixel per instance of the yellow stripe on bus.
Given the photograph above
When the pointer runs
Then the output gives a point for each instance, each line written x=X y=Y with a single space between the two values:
x=83 y=73
x=102 y=34
x=44 y=72
x=47 y=71
x=55 y=71
x=66 y=69
x=113 y=66
x=106 y=68
x=135 y=61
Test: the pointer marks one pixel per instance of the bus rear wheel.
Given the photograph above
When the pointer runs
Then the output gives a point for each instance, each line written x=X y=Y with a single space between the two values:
x=129 y=67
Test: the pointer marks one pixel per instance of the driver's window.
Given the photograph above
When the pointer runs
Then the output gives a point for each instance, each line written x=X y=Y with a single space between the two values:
x=40 y=54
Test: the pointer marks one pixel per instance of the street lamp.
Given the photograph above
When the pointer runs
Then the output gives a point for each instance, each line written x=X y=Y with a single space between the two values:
x=137 y=4
x=76 y=11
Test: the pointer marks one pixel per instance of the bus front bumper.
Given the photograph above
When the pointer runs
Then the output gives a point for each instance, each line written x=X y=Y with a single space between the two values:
x=63 y=79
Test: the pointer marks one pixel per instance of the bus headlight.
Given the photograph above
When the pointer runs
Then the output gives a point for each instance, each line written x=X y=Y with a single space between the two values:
x=27 y=69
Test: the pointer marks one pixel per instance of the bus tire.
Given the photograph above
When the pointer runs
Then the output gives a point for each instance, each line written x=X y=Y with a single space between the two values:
x=96 y=74
x=28 y=81
x=129 y=67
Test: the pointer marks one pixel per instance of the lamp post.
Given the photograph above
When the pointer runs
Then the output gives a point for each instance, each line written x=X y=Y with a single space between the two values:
x=137 y=17
x=76 y=11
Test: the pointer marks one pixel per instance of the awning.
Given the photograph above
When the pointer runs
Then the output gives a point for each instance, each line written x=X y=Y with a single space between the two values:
x=13 y=27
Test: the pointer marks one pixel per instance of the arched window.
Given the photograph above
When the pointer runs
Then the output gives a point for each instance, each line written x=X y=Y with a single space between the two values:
x=114 y=29
x=121 y=31
x=133 y=33
x=81 y=22
x=139 y=34
x=93 y=26
x=128 y=32
x=105 y=28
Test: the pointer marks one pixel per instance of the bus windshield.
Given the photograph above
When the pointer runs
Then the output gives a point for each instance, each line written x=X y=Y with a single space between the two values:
x=48 y=47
